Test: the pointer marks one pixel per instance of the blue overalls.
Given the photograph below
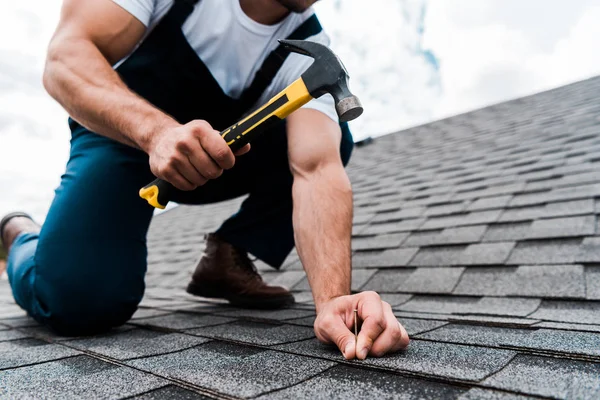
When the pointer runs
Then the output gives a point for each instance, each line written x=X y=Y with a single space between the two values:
x=84 y=272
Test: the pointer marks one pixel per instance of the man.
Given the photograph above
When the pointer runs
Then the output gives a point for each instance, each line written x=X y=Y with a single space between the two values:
x=148 y=84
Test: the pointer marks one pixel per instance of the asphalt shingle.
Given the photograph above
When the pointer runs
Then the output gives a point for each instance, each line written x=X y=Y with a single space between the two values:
x=388 y=280
x=470 y=305
x=592 y=280
x=549 y=377
x=215 y=366
x=16 y=353
x=256 y=333
x=533 y=281
x=431 y=280
x=387 y=258
x=545 y=252
x=136 y=343
x=181 y=321
x=563 y=227
x=585 y=343
x=569 y=311
x=458 y=235
x=76 y=378
x=343 y=382
x=171 y=392
x=464 y=363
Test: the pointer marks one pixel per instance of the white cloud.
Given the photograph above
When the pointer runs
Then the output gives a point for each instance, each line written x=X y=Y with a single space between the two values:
x=495 y=50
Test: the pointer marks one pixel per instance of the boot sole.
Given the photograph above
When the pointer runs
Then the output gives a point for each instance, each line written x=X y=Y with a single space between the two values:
x=265 y=303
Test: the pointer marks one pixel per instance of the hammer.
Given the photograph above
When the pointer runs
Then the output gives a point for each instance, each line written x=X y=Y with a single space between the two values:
x=327 y=74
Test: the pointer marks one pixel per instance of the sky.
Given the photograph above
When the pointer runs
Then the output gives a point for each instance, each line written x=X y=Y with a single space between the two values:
x=410 y=62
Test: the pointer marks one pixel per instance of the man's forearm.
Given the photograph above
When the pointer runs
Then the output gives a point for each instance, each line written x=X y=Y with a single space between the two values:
x=83 y=82
x=323 y=229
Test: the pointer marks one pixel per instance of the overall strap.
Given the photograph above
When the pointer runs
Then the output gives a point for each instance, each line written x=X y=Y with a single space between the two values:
x=274 y=61
x=181 y=10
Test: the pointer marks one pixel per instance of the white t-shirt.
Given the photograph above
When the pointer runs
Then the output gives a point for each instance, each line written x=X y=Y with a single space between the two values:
x=233 y=46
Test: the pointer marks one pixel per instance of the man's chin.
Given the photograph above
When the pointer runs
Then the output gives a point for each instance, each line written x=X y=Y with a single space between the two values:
x=296 y=6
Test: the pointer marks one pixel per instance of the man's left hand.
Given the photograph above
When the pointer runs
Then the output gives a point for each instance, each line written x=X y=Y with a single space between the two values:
x=380 y=331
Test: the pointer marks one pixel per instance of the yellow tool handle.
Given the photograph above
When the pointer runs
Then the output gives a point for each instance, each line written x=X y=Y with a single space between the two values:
x=158 y=192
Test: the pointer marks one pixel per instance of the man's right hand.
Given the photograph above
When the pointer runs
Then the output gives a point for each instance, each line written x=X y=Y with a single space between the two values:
x=188 y=156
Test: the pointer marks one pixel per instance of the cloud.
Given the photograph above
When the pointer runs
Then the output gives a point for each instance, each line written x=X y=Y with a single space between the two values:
x=496 y=50
x=395 y=77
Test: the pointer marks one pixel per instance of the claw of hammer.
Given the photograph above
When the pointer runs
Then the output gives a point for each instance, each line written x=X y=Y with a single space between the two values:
x=327 y=74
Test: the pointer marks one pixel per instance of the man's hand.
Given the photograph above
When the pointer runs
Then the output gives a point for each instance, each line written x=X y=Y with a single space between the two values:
x=190 y=155
x=379 y=334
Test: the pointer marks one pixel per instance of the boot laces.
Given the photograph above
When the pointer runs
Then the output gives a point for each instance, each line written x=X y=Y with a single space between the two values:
x=242 y=260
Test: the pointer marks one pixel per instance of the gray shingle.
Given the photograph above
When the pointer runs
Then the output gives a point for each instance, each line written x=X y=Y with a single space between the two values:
x=76 y=378
x=511 y=231
x=216 y=365
x=136 y=343
x=360 y=277
x=276 y=315
x=486 y=253
x=388 y=280
x=21 y=352
x=549 y=377
x=534 y=281
x=287 y=279
x=445 y=209
x=379 y=242
x=404 y=213
x=574 y=207
x=486 y=394
x=471 y=218
x=415 y=326
x=589 y=250
x=11 y=334
x=487 y=203
x=523 y=213
x=343 y=382
x=387 y=258
x=438 y=256
x=563 y=227
x=395 y=299
x=431 y=280
x=569 y=311
x=471 y=305
x=170 y=392
x=592 y=281
x=255 y=333
x=391 y=227
x=465 y=363
x=459 y=235
x=584 y=343
x=545 y=252
x=180 y=321
x=568 y=326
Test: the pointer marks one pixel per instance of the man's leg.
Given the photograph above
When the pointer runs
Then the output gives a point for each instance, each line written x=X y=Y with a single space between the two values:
x=84 y=272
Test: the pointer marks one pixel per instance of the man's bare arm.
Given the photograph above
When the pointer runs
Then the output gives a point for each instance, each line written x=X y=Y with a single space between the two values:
x=92 y=35
x=322 y=218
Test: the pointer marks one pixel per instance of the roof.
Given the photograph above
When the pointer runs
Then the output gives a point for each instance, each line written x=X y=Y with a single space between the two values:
x=480 y=230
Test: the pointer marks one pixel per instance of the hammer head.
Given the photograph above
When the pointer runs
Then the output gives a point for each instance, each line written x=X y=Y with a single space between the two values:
x=327 y=74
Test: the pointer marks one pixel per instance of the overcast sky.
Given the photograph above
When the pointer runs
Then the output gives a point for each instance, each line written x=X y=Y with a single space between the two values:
x=410 y=62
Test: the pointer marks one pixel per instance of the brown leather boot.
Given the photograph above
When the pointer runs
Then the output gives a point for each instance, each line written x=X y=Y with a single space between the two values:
x=226 y=272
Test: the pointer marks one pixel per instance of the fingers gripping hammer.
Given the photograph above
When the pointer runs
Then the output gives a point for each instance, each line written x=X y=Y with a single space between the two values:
x=327 y=74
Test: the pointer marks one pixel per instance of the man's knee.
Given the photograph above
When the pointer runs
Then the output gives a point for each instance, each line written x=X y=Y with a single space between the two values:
x=97 y=307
